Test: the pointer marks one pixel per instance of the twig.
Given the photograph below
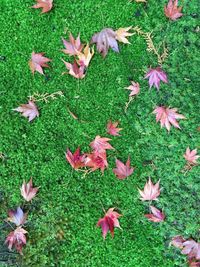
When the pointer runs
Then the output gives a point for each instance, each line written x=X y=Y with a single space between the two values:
x=36 y=97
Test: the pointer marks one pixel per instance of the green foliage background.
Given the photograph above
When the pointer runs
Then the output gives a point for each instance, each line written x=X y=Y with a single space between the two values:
x=62 y=219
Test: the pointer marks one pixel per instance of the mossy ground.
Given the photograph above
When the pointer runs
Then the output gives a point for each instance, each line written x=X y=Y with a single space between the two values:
x=62 y=221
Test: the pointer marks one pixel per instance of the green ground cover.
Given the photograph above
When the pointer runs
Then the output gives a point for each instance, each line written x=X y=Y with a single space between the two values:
x=62 y=221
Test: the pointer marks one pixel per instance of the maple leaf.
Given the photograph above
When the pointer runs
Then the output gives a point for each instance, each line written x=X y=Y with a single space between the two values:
x=17 y=239
x=109 y=222
x=75 y=70
x=191 y=156
x=191 y=248
x=29 y=110
x=167 y=117
x=122 y=33
x=172 y=11
x=134 y=87
x=122 y=171
x=46 y=5
x=155 y=76
x=156 y=216
x=151 y=191
x=18 y=217
x=73 y=47
x=27 y=190
x=96 y=160
x=177 y=241
x=112 y=128
x=105 y=39
x=195 y=264
x=75 y=160
x=100 y=144
x=85 y=57
x=37 y=62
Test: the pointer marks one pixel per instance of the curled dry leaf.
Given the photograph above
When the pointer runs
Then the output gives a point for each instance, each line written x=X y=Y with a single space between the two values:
x=17 y=238
x=76 y=160
x=29 y=110
x=155 y=76
x=172 y=11
x=109 y=222
x=100 y=144
x=112 y=128
x=122 y=171
x=73 y=47
x=122 y=33
x=18 y=217
x=167 y=117
x=46 y=5
x=37 y=62
x=105 y=39
x=28 y=192
x=134 y=88
x=85 y=57
x=151 y=191
x=76 y=71
x=191 y=156
x=156 y=215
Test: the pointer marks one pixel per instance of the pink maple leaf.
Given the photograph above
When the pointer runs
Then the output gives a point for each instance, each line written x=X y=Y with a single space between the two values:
x=134 y=88
x=156 y=215
x=191 y=156
x=191 y=248
x=76 y=71
x=76 y=160
x=100 y=144
x=18 y=217
x=96 y=160
x=28 y=192
x=109 y=222
x=123 y=170
x=172 y=11
x=17 y=239
x=73 y=47
x=37 y=62
x=155 y=76
x=177 y=241
x=167 y=117
x=112 y=128
x=151 y=191
x=29 y=110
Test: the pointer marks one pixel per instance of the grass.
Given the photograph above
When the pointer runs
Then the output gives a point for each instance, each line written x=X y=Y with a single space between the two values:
x=62 y=219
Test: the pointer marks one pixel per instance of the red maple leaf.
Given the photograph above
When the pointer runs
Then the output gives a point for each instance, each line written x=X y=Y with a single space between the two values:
x=29 y=110
x=76 y=160
x=109 y=222
x=46 y=5
x=28 y=191
x=100 y=144
x=75 y=70
x=172 y=11
x=96 y=161
x=73 y=47
x=151 y=191
x=155 y=76
x=37 y=62
x=17 y=239
x=112 y=128
x=122 y=171
x=191 y=156
x=156 y=215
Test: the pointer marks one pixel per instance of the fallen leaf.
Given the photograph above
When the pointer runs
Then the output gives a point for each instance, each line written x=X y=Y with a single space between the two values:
x=27 y=190
x=191 y=248
x=109 y=222
x=155 y=76
x=76 y=160
x=18 y=217
x=112 y=128
x=122 y=33
x=29 y=110
x=100 y=144
x=172 y=11
x=151 y=191
x=167 y=117
x=76 y=71
x=85 y=57
x=177 y=241
x=122 y=171
x=96 y=160
x=17 y=239
x=105 y=39
x=194 y=264
x=37 y=62
x=156 y=215
x=46 y=5
x=134 y=88
x=191 y=156
x=73 y=47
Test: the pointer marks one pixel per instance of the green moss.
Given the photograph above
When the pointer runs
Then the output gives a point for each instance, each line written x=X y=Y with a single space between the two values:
x=62 y=222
